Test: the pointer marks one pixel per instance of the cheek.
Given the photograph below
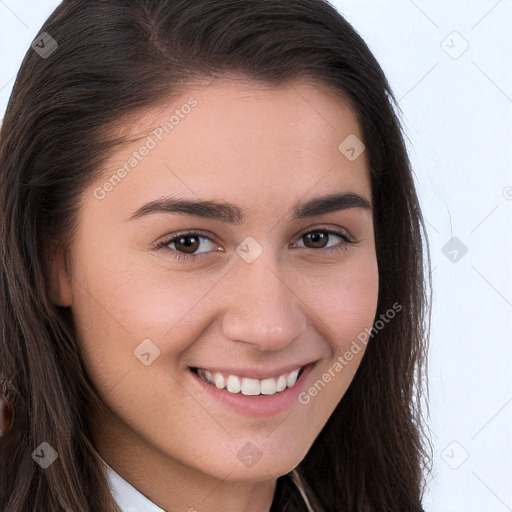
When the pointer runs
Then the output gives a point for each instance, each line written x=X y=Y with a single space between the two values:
x=117 y=307
x=345 y=302
x=130 y=301
x=345 y=307
x=357 y=304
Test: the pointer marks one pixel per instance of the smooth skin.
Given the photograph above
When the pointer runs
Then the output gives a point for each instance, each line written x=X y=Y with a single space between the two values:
x=265 y=149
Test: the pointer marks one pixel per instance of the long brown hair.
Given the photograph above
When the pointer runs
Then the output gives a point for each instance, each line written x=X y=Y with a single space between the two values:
x=114 y=59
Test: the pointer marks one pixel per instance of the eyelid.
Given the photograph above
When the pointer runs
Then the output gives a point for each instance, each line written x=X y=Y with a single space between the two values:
x=340 y=232
x=162 y=243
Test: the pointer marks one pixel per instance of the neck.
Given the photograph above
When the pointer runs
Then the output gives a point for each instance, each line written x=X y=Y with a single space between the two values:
x=170 y=484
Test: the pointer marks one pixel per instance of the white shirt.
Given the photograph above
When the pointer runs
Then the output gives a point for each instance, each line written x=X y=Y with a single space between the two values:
x=130 y=499
x=127 y=497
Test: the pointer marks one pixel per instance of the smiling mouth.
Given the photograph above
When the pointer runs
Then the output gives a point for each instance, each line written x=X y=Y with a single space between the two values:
x=250 y=387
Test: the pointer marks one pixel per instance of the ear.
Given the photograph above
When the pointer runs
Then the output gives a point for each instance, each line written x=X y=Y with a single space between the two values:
x=60 y=277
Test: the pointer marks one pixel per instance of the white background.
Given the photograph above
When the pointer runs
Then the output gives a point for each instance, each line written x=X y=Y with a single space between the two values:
x=457 y=114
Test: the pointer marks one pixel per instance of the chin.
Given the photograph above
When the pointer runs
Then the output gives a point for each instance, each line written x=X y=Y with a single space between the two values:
x=250 y=464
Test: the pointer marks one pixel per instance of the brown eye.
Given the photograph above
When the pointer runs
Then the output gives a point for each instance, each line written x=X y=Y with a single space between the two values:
x=325 y=239
x=186 y=243
x=318 y=239
x=188 y=246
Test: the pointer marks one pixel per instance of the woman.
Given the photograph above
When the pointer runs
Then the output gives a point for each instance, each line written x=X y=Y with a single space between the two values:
x=212 y=286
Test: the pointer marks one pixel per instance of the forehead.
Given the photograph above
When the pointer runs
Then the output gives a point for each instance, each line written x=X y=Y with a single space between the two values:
x=249 y=142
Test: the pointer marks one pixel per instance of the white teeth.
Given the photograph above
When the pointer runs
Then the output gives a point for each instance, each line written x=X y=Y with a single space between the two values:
x=281 y=383
x=250 y=387
x=292 y=378
x=268 y=386
x=219 y=380
x=233 y=384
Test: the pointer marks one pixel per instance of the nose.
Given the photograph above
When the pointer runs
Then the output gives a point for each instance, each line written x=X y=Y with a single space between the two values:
x=262 y=307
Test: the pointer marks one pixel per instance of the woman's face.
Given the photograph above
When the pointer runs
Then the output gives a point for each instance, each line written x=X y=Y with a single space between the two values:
x=253 y=288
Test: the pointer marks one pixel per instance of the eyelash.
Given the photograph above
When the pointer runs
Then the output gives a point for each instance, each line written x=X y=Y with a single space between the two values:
x=163 y=245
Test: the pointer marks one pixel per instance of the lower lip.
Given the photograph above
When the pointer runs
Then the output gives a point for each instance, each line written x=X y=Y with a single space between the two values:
x=257 y=405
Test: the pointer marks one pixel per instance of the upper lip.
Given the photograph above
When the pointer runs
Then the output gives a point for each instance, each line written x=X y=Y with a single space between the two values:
x=255 y=372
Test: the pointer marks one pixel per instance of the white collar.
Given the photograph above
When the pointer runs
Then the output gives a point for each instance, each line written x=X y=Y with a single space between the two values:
x=128 y=497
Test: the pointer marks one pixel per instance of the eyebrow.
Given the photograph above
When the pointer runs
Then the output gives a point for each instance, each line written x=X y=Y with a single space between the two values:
x=232 y=214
